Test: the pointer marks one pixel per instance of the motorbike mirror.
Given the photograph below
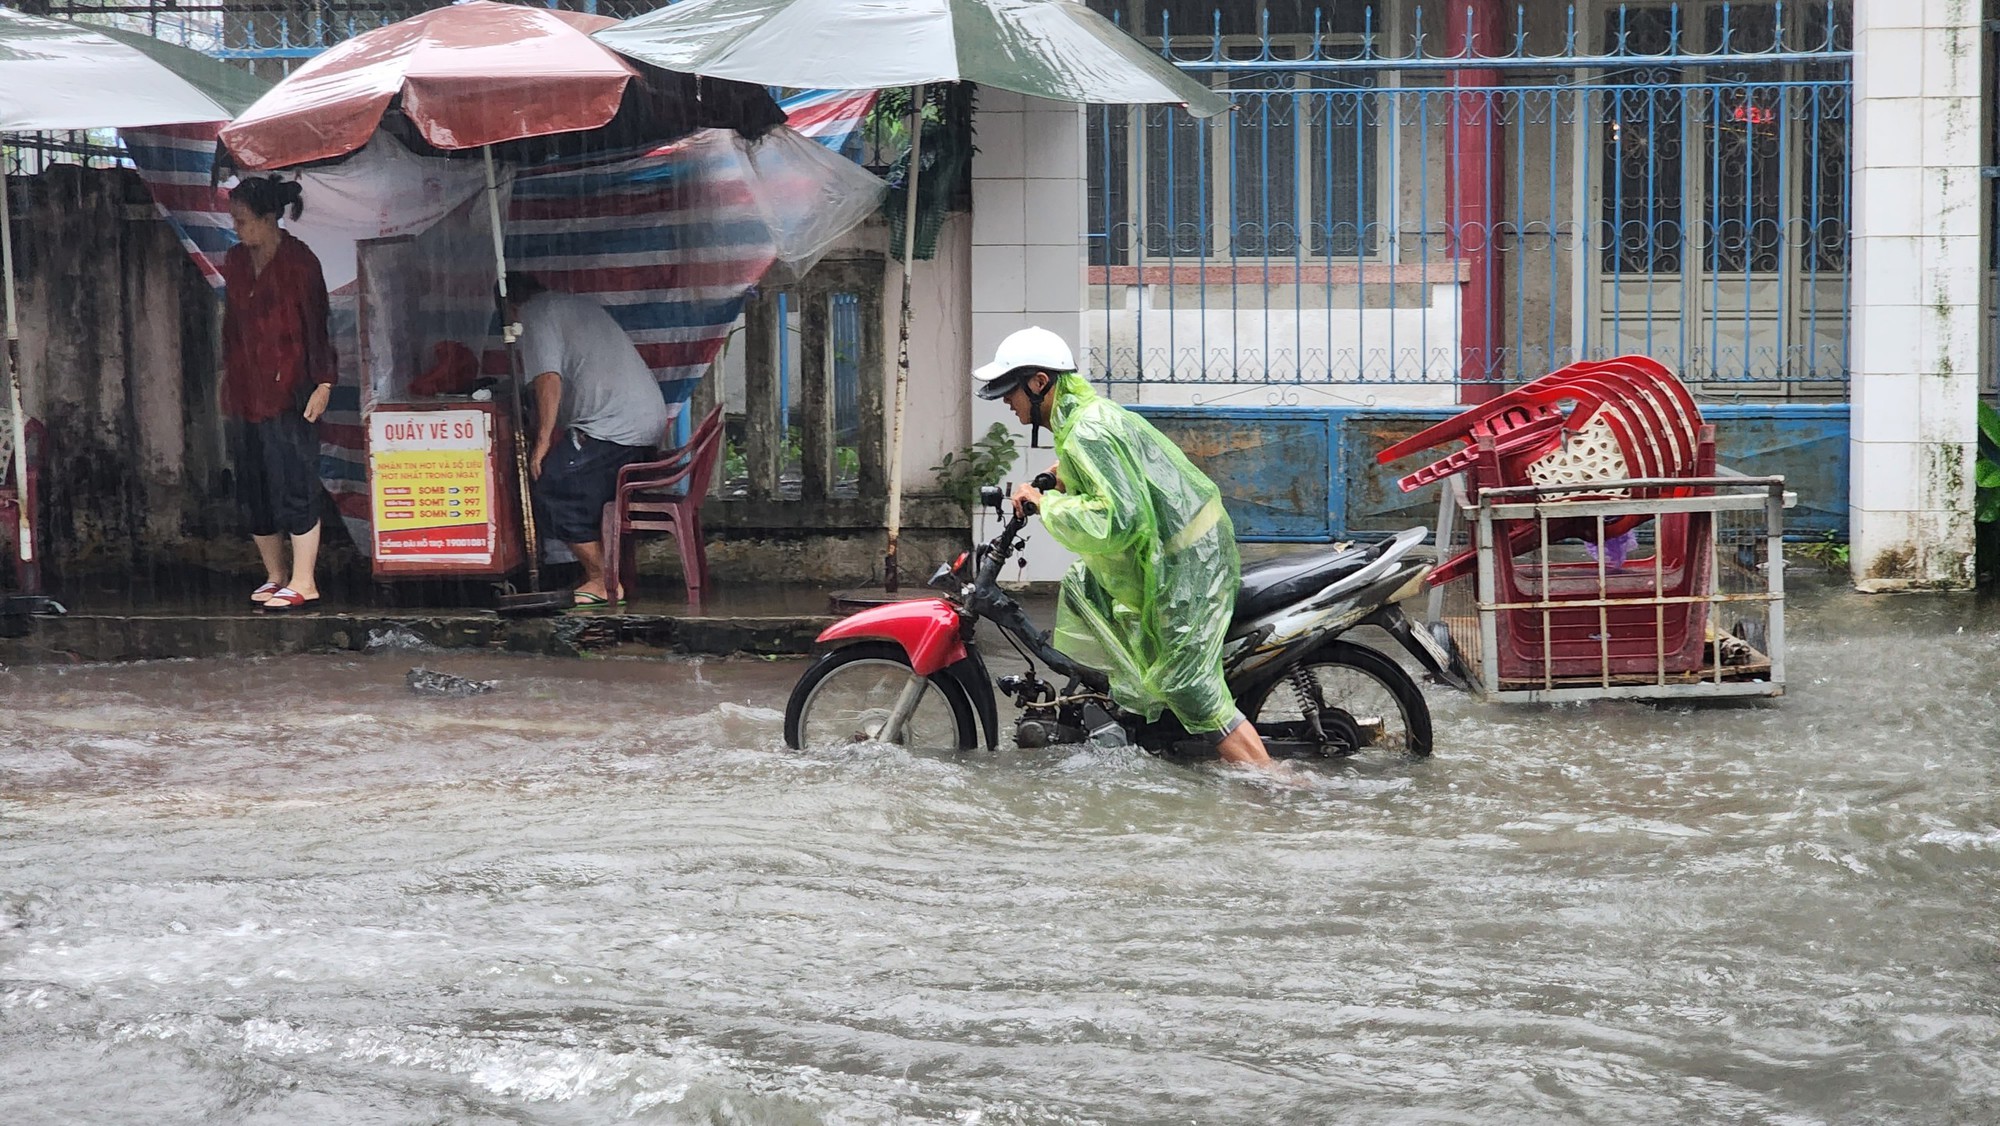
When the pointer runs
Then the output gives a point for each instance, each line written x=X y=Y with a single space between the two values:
x=992 y=496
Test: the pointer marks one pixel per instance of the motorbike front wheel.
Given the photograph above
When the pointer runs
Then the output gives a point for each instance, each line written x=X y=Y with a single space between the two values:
x=847 y=695
x=1362 y=700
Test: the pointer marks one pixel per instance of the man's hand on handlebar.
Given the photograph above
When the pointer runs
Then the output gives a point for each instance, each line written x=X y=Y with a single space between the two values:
x=1028 y=497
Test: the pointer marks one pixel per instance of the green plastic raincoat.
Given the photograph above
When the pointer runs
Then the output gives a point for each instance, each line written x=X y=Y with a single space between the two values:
x=1150 y=600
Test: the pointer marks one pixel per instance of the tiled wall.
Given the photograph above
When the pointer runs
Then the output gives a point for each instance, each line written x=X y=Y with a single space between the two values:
x=1027 y=256
x=1916 y=291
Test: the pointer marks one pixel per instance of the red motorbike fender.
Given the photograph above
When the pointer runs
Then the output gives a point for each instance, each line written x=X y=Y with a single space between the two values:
x=926 y=628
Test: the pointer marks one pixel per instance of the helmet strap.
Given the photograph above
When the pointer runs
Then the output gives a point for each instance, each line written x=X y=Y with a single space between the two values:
x=1035 y=410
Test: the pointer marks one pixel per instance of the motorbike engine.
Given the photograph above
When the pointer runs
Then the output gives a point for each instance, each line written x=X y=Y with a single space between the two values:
x=1034 y=734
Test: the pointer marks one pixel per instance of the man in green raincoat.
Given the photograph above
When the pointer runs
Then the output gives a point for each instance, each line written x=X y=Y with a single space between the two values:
x=1150 y=599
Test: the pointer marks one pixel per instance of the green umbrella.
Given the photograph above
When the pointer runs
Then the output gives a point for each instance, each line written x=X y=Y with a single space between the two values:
x=1054 y=49
x=1048 y=48
x=56 y=75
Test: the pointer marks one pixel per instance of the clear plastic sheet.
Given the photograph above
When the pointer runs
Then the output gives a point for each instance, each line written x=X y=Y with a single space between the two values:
x=809 y=196
x=425 y=299
x=1150 y=598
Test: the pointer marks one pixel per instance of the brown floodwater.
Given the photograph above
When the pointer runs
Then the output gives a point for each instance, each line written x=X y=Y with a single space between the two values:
x=289 y=891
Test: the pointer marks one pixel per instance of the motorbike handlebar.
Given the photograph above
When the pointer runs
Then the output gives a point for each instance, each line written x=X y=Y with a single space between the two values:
x=984 y=598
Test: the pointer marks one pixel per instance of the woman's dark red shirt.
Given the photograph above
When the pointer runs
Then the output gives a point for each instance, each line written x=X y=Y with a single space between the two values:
x=274 y=331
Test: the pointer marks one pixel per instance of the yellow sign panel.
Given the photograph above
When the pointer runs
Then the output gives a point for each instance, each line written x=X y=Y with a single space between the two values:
x=431 y=489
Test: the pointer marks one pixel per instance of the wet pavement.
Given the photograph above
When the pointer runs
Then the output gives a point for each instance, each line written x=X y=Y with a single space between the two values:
x=287 y=890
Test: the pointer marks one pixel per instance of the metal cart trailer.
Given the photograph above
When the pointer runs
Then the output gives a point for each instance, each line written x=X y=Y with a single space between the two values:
x=1616 y=589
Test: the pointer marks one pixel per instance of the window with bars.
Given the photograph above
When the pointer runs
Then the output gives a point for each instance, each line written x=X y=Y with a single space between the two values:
x=1290 y=173
x=1727 y=167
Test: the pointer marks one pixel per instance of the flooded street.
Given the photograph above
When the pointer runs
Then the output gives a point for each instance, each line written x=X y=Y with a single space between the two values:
x=289 y=891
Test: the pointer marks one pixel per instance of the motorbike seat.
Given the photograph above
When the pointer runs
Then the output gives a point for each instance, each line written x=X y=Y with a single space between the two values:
x=1278 y=582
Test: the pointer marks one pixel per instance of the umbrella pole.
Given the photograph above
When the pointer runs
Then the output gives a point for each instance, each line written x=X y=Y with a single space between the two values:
x=889 y=566
x=24 y=532
x=522 y=481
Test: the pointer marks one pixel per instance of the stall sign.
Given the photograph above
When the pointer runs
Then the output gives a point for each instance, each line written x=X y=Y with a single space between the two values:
x=428 y=473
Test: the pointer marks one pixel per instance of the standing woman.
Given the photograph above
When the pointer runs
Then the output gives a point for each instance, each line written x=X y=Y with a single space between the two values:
x=278 y=372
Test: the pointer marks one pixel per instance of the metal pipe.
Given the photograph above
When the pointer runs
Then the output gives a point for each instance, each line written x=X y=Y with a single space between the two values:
x=530 y=540
x=889 y=567
x=1473 y=176
x=904 y=707
x=24 y=531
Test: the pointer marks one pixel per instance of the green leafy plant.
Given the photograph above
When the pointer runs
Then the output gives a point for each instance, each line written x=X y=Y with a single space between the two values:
x=962 y=472
x=734 y=466
x=846 y=463
x=1986 y=494
x=1986 y=470
x=1827 y=551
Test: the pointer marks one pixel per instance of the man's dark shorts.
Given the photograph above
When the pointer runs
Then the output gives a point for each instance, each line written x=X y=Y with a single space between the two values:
x=578 y=478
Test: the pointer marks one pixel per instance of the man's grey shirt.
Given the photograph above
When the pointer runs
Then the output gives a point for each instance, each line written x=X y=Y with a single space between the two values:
x=608 y=392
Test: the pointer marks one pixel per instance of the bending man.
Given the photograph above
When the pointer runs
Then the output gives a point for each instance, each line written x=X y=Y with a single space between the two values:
x=597 y=410
x=1150 y=599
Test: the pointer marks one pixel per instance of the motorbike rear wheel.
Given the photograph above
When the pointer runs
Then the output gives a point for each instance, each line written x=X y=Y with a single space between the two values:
x=1365 y=701
x=846 y=696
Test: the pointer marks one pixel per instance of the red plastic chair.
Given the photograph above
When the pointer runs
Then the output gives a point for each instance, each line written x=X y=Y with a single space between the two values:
x=664 y=496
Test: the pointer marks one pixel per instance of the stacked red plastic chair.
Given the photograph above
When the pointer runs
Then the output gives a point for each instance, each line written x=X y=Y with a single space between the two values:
x=1591 y=425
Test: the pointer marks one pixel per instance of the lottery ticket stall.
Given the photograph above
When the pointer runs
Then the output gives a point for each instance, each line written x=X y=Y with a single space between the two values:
x=640 y=176
x=443 y=486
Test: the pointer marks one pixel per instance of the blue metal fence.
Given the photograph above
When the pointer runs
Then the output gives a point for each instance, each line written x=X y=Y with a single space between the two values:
x=1393 y=224
x=1402 y=206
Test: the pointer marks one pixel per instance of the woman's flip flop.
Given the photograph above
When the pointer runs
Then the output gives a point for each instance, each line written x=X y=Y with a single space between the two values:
x=286 y=599
x=263 y=593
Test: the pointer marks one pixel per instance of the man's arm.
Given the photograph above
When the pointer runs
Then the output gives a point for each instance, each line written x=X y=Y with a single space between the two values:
x=1104 y=511
x=547 y=389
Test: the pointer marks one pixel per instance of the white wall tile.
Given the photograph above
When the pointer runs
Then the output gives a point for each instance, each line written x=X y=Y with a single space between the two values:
x=989 y=329
x=1951 y=56
x=1888 y=133
x=1948 y=340
x=1054 y=277
x=1946 y=211
x=1887 y=342
x=999 y=141
x=1887 y=269
x=1885 y=476
x=999 y=212
x=1951 y=271
x=1887 y=200
x=994 y=99
x=999 y=282
x=1055 y=144
x=1890 y=61
x=1942 y=416
x=1951 y=131
x=1054 y=213
x=1886 y=409
x=1870 y=15
x=1870 y=533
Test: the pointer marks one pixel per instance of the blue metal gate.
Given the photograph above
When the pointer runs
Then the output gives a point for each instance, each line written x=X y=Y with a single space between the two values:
x=1390 y=216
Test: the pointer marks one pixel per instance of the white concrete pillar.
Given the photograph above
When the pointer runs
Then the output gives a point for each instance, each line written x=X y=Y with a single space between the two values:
x=1027 y=259
x=1916 y=293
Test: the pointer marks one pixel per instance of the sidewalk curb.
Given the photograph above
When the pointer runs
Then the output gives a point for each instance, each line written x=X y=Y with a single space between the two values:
x=78 y=638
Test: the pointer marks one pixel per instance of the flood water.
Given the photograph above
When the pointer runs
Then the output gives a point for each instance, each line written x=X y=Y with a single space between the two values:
x=289 y=891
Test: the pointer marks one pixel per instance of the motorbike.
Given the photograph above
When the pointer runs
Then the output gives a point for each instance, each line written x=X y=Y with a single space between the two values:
x=912 y=672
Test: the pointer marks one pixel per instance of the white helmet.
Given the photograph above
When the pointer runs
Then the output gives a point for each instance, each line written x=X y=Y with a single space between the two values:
x=1033 y=349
